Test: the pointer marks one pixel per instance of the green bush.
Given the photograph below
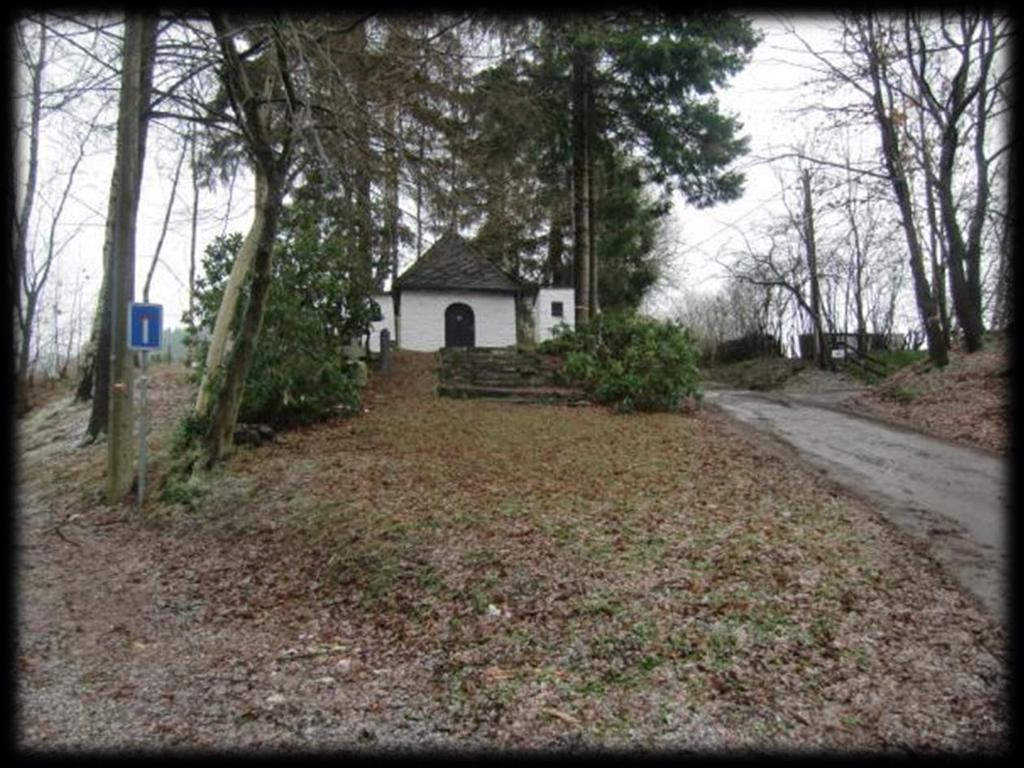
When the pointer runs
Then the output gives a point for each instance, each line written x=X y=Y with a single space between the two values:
x=630 y=362
x=905 y=394
x=185 y=488
x=299 y=371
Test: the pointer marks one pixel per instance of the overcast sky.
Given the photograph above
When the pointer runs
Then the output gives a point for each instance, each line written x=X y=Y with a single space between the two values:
x=764 y=97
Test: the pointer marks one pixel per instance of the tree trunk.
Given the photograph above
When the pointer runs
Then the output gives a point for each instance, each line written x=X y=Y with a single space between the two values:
x=937 y=252
x=361 y=130
x=192 y=242
x=554 y=268
x=94 y=376
x=927 y=305
x=224 y=409
x=820 y=344
x=419 y=193
x=24 y=353
x=218 y=349
x=581 y=185
x=591 y=207
x=1002 y=314
x=140 y=36
x=94 y=380
x=859 y=256
x=951 y=110
x=964 y=274
x=390 y=265
x=271 y=156
x=26 y=311
x=591 y=199
x=87 y=360
x=163 y=229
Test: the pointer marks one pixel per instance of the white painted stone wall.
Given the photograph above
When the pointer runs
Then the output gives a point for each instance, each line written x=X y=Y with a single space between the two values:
x=387 y=310
x=544 y=321
x=422 y=318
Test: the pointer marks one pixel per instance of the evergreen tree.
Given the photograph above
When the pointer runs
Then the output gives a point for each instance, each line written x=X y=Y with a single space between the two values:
x=647 y=82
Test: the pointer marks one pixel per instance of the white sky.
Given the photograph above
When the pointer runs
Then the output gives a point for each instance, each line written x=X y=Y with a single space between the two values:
x=760 y=95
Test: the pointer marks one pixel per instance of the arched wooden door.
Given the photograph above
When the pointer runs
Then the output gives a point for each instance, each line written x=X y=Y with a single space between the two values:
x=459 y=326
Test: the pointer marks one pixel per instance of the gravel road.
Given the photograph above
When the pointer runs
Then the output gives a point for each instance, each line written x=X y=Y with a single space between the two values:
x=951 y=498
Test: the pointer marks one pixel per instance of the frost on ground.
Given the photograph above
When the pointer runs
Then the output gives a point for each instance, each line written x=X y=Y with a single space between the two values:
x=474 y=575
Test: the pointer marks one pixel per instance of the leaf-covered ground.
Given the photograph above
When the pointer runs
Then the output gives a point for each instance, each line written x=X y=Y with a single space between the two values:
x=478 y=575
x=967 y=401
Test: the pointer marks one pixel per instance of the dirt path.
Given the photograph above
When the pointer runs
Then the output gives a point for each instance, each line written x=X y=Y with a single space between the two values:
x=951 y=498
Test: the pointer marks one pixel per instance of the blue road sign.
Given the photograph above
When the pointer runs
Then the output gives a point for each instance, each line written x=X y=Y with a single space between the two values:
x=145 y=323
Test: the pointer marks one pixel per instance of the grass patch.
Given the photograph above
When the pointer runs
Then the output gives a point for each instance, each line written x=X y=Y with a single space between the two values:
x=904 y=394
x=895 y=359
x=883 y=363
x=185 y=489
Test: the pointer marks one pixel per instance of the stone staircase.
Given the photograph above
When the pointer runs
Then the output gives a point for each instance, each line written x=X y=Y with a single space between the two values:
x=503 y=373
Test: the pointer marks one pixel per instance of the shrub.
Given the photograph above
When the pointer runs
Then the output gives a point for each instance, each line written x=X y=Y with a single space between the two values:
x=299 y=372
x=630 y=362
x=187 y=489
x=905 y=394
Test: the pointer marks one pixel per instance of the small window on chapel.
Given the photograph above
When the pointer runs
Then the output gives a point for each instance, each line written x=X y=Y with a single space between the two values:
x=557 y=310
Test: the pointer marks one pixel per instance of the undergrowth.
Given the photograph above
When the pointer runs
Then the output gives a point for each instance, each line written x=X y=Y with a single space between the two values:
x=630 y=362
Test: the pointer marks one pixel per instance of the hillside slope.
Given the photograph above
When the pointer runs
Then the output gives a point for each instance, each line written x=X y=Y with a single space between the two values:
x=967 y=401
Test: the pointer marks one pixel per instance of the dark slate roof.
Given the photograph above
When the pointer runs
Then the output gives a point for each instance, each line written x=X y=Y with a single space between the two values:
x=452 y=262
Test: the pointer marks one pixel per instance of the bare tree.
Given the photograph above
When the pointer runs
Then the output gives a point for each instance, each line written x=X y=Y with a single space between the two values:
x=776 y=264
x=37 y=244
x=163 y=228
x=956 y=78
x=70 y=332
x=28 y=288
x=935 y=88
x=736 y=309
x=871 y=40
x=813 y=276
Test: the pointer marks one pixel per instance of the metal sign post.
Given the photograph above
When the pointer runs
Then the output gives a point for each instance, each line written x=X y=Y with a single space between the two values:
x=145 y=323
x=143 y=401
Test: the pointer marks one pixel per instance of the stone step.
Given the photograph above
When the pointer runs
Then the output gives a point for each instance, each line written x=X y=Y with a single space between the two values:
x=500 y=373
x=486 y=356
x=508 y=370
x=515 y=394
x=490 y=370
x=483 y=378
x=479 y=353
x=494 y=373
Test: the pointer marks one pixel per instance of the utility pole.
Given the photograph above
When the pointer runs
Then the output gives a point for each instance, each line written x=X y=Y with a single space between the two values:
x=139 y=32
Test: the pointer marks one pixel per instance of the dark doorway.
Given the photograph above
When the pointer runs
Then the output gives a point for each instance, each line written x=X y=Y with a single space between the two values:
x=459 y=326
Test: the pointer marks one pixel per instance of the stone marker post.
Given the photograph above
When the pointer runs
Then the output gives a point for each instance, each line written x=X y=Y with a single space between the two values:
x=385 y=349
